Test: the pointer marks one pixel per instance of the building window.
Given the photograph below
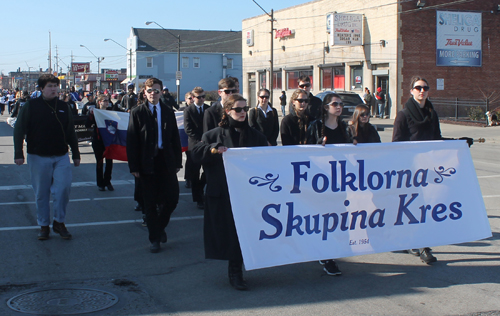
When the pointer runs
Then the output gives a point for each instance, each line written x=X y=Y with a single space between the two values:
x=262 y=80
x=356 y=77
x=229 y=63
x=277 y=80
x=149 y=62
x=293 y=76
x=196 y=62
x=332 y=78
x=185 y=62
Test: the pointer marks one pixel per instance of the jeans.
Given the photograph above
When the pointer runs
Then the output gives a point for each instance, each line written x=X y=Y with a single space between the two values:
x=50 y=176
x=381 y=109
x=283 y=107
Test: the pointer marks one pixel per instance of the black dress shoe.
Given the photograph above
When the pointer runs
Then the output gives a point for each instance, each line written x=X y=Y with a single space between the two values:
x=44 y=233
x=155 y=247
x=138 y=208
x=188 y=184
x=200 y=205
x=101 y=188
x=110 y=187
x=163 y=237
x=235 y=273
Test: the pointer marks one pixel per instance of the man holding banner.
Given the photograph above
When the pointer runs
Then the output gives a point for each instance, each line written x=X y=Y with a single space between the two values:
x=154 y=157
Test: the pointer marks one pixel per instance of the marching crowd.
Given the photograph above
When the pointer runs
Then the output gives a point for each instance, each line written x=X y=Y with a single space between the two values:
x=154 y=149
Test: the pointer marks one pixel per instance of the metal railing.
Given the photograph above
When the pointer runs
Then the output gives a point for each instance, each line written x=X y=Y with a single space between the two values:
x=458 y=108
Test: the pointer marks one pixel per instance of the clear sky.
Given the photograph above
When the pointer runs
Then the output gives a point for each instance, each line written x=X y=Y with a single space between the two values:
x=25 y=26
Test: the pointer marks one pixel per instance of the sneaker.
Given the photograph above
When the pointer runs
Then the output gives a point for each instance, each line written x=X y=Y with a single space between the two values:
x=60 y=228
x=144 y=224
x=330 y=267
x=415 y=252
x=426 y=256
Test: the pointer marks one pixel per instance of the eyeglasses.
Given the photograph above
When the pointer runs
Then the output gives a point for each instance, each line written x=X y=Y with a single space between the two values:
x=228 y=91
x=364 y=114
x=264 y=96
x=302 y=100
x=336 y=104
x=239 y=109
x=156 y=91
x=200 y=97
x=419 y=88
x=304 y=85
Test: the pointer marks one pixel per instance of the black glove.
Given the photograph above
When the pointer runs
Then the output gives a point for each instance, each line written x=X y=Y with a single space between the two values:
x=469 y=140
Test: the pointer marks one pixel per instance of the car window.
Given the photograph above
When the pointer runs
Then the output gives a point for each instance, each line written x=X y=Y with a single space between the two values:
x=351 y=99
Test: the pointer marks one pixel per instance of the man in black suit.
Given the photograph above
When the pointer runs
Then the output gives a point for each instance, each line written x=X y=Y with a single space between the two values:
x=315 y=103
x=213 y=115
x=154 y=157
x=193 y=125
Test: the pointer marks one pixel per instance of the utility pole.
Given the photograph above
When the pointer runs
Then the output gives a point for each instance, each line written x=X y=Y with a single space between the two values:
x=50 y=53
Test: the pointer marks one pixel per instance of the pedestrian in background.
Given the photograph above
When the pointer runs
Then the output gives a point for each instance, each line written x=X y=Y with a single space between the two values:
x=380 y=96
x=47 y=124
x=129 y=101
x=283 y=102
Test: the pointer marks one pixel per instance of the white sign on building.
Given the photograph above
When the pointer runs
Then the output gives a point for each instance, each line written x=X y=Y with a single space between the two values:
x=347 y=29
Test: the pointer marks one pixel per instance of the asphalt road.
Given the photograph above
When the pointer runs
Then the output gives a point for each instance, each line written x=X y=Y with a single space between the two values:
x=110 y=252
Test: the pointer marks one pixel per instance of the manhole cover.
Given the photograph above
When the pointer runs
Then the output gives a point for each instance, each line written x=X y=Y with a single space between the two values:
x=62 y=301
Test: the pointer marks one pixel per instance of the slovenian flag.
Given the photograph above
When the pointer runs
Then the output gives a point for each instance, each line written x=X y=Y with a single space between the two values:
x=112 y=126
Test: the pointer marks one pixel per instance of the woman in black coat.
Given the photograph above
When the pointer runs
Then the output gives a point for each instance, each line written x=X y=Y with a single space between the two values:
x=294 y=125
x=220 y=237
x=361 y=131
x=264 y=118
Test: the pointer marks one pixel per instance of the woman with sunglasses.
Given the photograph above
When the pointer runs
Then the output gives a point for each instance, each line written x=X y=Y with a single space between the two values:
x=361 y=131
x=294 y=125
x=330 y=129
x=264 y=118
x=221 y=240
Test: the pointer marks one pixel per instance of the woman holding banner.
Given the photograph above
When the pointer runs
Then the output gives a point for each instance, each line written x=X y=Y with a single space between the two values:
x=220 y=237
x=361 y=131
x=103 y=181
x=330 y=129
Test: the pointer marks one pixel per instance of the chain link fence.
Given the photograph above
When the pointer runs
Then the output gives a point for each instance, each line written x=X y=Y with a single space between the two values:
x=461 y=109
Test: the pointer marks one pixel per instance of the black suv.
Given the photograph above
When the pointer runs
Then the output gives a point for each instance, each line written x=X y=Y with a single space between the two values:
x=350 y=99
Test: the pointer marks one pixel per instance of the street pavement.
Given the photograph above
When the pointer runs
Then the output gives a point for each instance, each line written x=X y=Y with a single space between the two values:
x=110 y=252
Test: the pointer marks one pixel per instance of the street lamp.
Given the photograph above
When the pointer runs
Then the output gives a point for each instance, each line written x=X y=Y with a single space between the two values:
x=130 y=53
x=177 y=82
x=99 y=59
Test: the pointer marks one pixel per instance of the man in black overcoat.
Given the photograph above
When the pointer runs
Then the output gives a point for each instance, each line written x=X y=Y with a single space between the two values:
x=213 y=115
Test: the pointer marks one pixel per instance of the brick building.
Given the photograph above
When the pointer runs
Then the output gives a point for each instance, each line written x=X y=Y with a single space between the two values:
x=451 y=43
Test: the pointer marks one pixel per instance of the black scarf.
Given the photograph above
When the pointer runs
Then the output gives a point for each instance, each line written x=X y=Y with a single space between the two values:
x=420 y=115
x=243 y=128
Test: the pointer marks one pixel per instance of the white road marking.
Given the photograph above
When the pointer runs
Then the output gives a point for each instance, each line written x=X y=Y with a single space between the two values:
x=101 y=223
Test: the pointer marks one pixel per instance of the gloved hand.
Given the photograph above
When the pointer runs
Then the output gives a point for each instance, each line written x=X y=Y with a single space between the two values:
x=469 y=140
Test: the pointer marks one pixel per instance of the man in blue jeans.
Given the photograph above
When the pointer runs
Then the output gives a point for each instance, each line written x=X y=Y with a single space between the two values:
x=48 y=126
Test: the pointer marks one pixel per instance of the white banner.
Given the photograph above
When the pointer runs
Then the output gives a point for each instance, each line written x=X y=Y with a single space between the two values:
x=303 y=203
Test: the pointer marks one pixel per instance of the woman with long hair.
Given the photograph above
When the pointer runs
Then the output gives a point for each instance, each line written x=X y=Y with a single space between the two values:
x=294 y=125
x=361 y=131
x=330 y=129
x=264 y=118
x=220 y=238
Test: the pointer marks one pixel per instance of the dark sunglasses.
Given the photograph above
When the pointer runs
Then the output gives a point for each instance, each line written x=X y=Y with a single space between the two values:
x=264 y=96
x=302 y=100
x=228 y=91
x=190 y=98
x=200 y=97
x=239 y=109
x=305 y=85
x=156 y=91
x=419 y=88
x=336 y=104
x=364 y=114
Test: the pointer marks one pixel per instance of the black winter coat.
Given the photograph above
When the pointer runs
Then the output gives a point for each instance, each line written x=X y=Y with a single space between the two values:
x=220 y=237
x=267 y=125
x=414 y=123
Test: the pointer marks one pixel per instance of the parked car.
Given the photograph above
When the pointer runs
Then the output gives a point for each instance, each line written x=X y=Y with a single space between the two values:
x=350 y=99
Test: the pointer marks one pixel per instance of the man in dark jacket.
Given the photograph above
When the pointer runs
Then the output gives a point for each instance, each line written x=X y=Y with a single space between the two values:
x=48 y=126
x=154 y=157
x=129 y=101
x=168 y=99
x=314 y=108
x=193 y=126
x=213 y=115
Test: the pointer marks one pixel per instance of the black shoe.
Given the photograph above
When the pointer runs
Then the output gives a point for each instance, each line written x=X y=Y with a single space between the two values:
x=60 y=228
x=44 y=233
x=200 y=205
x=330 y=267
x=144 y=224
x=101 y=188
x=138 y=208
x=415 y=252
x=426 y=256
x=110 y=187
x=155 y=247
x=236 y=279
x=163 y=237
x=188 y=184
